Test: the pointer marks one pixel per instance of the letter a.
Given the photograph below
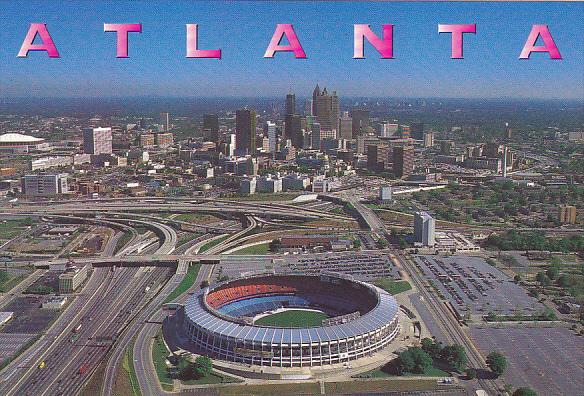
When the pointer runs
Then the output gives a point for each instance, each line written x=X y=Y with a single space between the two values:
x=284 y=29
x=548 y=46
x=47 y=44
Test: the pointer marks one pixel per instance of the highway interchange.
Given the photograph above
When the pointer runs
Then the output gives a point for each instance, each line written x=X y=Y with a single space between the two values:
x=113 y=309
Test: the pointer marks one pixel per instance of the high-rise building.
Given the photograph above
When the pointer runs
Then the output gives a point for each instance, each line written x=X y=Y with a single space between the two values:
x=308 y=107
x=290 y=104
x=316 y=136
x=346 y=127
x=378 y=157
x=165 y=121
x=293 y=130
x=508 y=132
x=424 y=229
x=429 y=139
x=164 y=139
x=360 y=120
x=44 y=185
x=405 y=132
x=211 y=126
x=335 y=110
x=271 y=132
x=385 y=194
x=324 y=114
x=245 y=129
x=403 y=161
x=417 y=130
x=315 y=95
x=567 y=214
x=97 y=141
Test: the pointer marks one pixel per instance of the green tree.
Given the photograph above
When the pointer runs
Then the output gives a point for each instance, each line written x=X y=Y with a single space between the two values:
x=553 y=272
x=455 y=356
x=543 y=279
x=204 y=284
x=434 y=349
x=202 y=366
x=497 y=363
x=524 y=392
x=517 y=278
x=471 y=373
x=414 y=360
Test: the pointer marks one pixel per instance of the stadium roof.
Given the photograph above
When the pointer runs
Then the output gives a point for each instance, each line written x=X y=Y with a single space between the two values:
x=19 y=138
x=385 y=312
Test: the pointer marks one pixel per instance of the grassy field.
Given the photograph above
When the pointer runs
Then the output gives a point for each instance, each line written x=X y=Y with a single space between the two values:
x=293 y=318
x=159 y=354
x=270 y=390
x=380 y=385
x=263 y=248
x=187 y=282
x=10 y=282
x=122 y=241
x=212 y=378
x=12 y=228
x=212 y=243
x=393 y=287
x=187 y=237
x=430 y=372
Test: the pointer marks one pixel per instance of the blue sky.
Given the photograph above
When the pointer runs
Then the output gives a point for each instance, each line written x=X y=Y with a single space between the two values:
x=422 y=66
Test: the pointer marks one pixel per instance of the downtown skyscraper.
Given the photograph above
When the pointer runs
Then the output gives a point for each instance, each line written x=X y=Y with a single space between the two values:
x=245 y=130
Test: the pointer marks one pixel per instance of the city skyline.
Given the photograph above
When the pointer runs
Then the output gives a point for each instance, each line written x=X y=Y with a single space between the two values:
x=422 y=66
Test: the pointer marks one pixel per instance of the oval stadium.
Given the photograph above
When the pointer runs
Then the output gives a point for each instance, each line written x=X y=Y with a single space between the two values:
x=291 y=320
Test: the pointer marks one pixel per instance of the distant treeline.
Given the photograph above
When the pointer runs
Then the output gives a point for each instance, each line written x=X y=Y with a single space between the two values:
x=534 y=240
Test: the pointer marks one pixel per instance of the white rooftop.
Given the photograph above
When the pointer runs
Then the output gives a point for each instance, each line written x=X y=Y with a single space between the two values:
x=18 y=138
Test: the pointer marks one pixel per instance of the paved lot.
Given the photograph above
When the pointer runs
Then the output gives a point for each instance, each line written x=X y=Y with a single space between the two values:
x=549 y=360
x=10 y=343
x=471 y=283
x=29 y=317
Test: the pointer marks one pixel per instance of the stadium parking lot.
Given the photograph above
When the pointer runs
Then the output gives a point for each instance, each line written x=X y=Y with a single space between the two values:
x=29 y=317
x=549 y=360
x=470 y=282
x=11 y=343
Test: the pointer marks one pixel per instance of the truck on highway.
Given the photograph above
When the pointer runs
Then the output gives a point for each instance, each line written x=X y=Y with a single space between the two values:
x=83 y=369
x=42 y=365
x=77 y=328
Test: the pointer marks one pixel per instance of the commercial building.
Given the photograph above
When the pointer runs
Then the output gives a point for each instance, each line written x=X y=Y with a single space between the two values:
x=164 y=140
x=429 y=139
x=55 y=302
x=385 y=194
x=269 y=184
x=248 y=186
x=44 y=185
x=290 y=104
x=245 y=129
x=424 y=229
x=327 y=109
x=417 y=130
x=346 y=127
x=295 y=182
x=211 y=127
x=97 y=141
x=360 y=121
x=72 y=278
x=271 y=132
x=567 y=214
x=293 y=130
x=403 y=161
x=147 y=140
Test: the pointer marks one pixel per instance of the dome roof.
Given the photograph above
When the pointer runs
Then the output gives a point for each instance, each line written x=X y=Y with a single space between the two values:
x=19 y=138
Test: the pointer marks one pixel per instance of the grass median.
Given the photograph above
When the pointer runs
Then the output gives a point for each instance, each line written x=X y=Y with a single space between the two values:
x=186 y=283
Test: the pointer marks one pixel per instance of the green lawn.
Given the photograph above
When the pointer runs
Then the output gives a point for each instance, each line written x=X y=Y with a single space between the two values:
x=379 y=385
x=187 y=282
x=10 y=282
x=213 y=378
x=128 y=366
x=12 y=228
x=393 y=287
x=159 y=354
x=293 y=318
x=124 y=239
x=271 y=389
x=263 y=248
x=212 y=243
x=187 y=237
